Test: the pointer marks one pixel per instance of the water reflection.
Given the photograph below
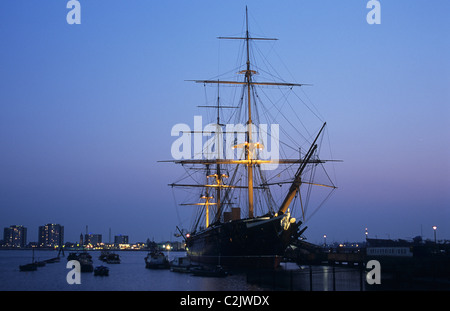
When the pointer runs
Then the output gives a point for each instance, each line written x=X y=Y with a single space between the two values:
x=131 y=275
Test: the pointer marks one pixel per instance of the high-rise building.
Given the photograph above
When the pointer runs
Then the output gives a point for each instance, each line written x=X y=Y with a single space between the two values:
x=51 y=235
x=92 y=239
x=121 y=239
x=15 y=236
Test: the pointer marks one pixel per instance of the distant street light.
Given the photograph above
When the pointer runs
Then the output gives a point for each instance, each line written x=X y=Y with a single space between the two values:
x=434 y=229
x=324 y=240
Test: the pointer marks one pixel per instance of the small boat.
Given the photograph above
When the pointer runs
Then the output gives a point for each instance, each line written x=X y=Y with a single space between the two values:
x=181 y=264
x=31 y=266
x=108 y=257
x=210 y=271
x=103 y=255
x=40 y=263
x=52 y=260
x=101 y=271
x=85 y=260
x=112 y=258
x=156 y=260
x=72 y=256
x=86 y=263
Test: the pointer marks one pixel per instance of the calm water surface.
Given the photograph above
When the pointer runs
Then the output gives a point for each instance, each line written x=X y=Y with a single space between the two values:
x=129 y=275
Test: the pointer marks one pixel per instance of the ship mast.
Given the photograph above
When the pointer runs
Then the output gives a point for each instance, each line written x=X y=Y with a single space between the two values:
x=249 y=156
x=249 y=145
x=218 y=175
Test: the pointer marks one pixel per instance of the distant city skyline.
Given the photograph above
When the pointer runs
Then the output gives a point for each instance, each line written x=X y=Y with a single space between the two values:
x=86 y=110
x=90 y=237
x=51 y=235
x=34 y=235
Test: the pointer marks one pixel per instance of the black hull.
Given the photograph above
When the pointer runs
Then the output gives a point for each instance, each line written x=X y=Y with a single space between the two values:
x=247 y=243
x=156 y=260
x=29 y=267
x=86 y=267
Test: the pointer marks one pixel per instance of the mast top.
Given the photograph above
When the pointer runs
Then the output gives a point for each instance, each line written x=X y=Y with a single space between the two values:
x=247 y=36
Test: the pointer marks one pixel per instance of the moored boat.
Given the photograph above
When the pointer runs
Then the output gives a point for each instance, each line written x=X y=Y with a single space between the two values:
x=52 y=260
x=31 y=266
x=209 y=271
x=103 y=255
x=28 y=267
x=156 y=260
x=73 y=256
x=112 y=258
x=101 y=271
x=86 y=263
x=40 y=263
x=182 y=264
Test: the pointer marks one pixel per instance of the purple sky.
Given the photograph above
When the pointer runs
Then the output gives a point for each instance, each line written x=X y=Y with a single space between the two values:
x=86 y=110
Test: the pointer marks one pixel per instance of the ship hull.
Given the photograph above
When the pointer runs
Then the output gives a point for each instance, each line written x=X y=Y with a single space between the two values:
x=247 y=243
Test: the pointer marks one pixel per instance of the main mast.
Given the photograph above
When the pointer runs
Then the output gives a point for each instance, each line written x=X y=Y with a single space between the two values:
x=249 y=146
x=249 y=155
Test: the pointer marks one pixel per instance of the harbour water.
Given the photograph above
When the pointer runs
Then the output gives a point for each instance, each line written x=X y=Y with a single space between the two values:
x=131 y=275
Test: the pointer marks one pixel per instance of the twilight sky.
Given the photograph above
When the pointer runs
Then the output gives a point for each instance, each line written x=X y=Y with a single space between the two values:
x=86 y=110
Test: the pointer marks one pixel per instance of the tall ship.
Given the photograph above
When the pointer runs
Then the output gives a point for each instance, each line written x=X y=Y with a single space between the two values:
x=256 y=171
